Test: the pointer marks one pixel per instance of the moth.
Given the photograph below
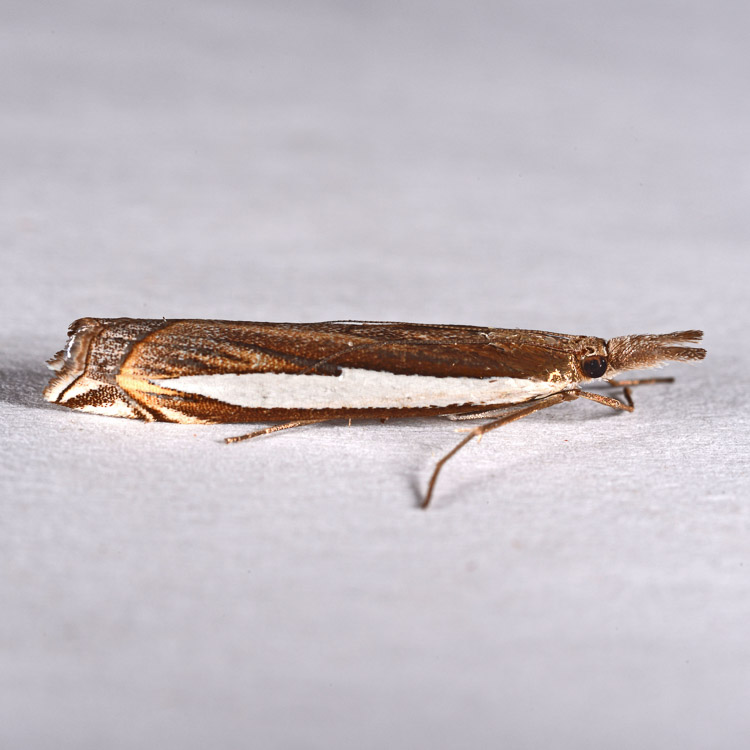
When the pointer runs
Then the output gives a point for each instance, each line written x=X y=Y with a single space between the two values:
x=292 y=374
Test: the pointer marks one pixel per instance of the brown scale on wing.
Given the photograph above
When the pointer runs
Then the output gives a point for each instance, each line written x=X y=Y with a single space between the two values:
x=463 y=351
x=187 y=347
x=206 y=347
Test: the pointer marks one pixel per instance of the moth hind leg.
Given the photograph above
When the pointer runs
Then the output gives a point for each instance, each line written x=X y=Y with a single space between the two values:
x=273 y=428
x=486 y=414
x=477 y=432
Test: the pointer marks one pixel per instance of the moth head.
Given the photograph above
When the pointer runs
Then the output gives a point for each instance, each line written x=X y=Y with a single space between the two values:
x=592 y=358
x=599 y=358
x=642 y=351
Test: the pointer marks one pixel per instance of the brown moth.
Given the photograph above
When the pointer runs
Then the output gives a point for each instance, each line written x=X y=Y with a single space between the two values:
x=205 y=371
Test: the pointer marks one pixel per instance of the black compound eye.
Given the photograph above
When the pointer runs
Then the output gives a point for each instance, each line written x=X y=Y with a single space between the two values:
x=594 y=367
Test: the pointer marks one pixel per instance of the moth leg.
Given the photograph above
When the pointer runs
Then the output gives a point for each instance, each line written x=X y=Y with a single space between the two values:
x=273 y=428
x=626 y=385
x=542 y=403
x=639 y=381
x=491 y=414
x=502 y=410
x=614 y=403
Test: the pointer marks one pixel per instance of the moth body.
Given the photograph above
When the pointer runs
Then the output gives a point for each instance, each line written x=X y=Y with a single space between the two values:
x=227 y=371
x=204 y=371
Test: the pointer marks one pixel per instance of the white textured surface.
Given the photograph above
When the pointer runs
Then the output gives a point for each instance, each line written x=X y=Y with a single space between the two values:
x=584 y=579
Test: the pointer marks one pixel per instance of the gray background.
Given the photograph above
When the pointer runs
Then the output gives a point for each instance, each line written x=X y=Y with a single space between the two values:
x=584 y=578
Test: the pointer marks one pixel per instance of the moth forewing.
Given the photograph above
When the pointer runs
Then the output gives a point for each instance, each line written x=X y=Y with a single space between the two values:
x=203 y=371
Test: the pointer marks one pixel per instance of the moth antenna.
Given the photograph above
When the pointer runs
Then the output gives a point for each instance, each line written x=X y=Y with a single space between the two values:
x=652 y=350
